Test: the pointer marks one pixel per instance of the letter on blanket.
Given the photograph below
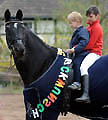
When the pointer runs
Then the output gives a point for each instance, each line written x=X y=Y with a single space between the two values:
x=35 y=113
x=57 y=92
x=61 y=52
x=65 y=69
x=46 y=102
x=63 y=75
x=67 y=61
x=40 y=107
x=52 y=97
x=60 y=83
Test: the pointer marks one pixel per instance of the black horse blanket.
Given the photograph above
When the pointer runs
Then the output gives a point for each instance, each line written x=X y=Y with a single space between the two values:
x=98 y=73
x=43 y=97
x=98 y=108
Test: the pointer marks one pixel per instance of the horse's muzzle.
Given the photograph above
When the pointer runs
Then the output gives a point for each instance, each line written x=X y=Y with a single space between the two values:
x=18 y=48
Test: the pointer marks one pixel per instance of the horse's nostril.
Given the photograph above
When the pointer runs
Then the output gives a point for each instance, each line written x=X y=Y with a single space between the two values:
x=16 y=49
x=22 y=50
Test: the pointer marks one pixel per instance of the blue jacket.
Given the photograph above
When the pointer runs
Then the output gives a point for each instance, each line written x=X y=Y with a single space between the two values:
x=80 y=39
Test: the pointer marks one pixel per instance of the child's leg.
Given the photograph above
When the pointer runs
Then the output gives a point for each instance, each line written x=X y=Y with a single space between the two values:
x=88 y=61
x=77 y=62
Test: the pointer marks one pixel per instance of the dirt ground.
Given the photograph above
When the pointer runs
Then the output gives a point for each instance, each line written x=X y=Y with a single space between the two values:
x=12 y=108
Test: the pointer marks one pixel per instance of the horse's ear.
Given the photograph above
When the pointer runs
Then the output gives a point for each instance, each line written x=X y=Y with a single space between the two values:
x=19 y=15
x=7 y=15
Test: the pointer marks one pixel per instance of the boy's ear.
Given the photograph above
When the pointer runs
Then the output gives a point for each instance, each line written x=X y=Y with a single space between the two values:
x=97 y=16
x=19 y=15
x=7 y=15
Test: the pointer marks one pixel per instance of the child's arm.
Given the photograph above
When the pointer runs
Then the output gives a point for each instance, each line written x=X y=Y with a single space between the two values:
x=83 y=39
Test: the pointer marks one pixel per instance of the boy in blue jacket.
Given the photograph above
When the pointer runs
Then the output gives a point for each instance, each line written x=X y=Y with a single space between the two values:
x=78 y=43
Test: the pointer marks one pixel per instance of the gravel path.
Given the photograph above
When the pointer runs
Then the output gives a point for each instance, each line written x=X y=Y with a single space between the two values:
x=12 y=108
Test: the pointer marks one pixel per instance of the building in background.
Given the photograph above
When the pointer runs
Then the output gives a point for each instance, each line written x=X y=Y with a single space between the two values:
x=41 y=17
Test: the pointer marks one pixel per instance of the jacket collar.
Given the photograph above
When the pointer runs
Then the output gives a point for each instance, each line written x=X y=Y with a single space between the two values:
x=97 y=21
x=77 y=29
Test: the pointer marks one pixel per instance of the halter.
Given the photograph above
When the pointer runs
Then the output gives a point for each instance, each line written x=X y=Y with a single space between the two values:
x=14 y=22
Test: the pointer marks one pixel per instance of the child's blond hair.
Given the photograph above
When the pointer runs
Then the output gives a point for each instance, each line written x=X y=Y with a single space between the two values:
x=74 y=16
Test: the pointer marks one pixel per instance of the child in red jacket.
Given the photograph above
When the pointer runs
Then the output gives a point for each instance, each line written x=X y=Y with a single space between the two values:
x=94 y=47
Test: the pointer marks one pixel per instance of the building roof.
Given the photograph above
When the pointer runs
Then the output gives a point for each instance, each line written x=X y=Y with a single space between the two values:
x=35 y=8
x=30 y=8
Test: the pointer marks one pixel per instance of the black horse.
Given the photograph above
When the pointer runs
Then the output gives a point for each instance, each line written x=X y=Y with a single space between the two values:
x=40 y=65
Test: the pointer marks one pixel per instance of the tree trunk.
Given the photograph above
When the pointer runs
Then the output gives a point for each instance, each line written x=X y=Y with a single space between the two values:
x=103 y=17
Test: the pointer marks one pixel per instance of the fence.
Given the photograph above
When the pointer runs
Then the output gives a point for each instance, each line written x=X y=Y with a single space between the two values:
x=8 y=76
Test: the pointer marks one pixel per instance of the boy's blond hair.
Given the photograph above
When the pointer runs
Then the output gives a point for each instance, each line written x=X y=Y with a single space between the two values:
x=74 y=16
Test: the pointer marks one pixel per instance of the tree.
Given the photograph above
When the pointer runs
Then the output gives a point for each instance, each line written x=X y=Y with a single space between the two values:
x=103 y=4
x=81 y=6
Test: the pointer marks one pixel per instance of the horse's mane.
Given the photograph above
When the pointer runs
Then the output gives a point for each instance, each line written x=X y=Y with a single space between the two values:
x=35 y=35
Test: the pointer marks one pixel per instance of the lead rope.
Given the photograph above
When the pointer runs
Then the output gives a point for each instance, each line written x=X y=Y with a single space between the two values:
x=11 y=66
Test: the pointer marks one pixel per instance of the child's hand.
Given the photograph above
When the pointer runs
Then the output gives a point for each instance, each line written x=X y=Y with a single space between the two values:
x=70 y=51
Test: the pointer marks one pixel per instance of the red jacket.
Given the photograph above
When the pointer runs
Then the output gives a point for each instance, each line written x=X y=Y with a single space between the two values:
x=95 y=44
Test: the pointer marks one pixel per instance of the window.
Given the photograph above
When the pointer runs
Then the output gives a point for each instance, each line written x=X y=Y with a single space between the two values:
x=30 y=25
x=2 y=29
x=45 y=26
x=62 y=27
x=46 y=29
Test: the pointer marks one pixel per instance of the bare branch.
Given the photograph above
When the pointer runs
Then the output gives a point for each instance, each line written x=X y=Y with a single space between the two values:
x=103 y=17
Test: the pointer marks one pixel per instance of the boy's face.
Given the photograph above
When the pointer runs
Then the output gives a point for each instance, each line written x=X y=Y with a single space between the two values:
x=73 y=24
x=92 y=18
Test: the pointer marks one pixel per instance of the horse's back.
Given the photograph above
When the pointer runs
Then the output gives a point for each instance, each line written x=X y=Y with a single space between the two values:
x=98 y=73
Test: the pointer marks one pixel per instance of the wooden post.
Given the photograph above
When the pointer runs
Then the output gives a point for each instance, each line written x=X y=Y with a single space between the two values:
x=11 y=83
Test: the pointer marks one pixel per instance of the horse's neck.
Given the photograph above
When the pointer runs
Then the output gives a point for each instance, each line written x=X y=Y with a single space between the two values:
x=36 y=61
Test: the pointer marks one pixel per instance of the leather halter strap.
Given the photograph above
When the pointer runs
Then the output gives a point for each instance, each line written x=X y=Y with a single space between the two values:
x=13 y=22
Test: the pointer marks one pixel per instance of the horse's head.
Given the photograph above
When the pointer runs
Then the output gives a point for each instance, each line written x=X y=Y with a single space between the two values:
x=31 y=55
x=15 y=34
